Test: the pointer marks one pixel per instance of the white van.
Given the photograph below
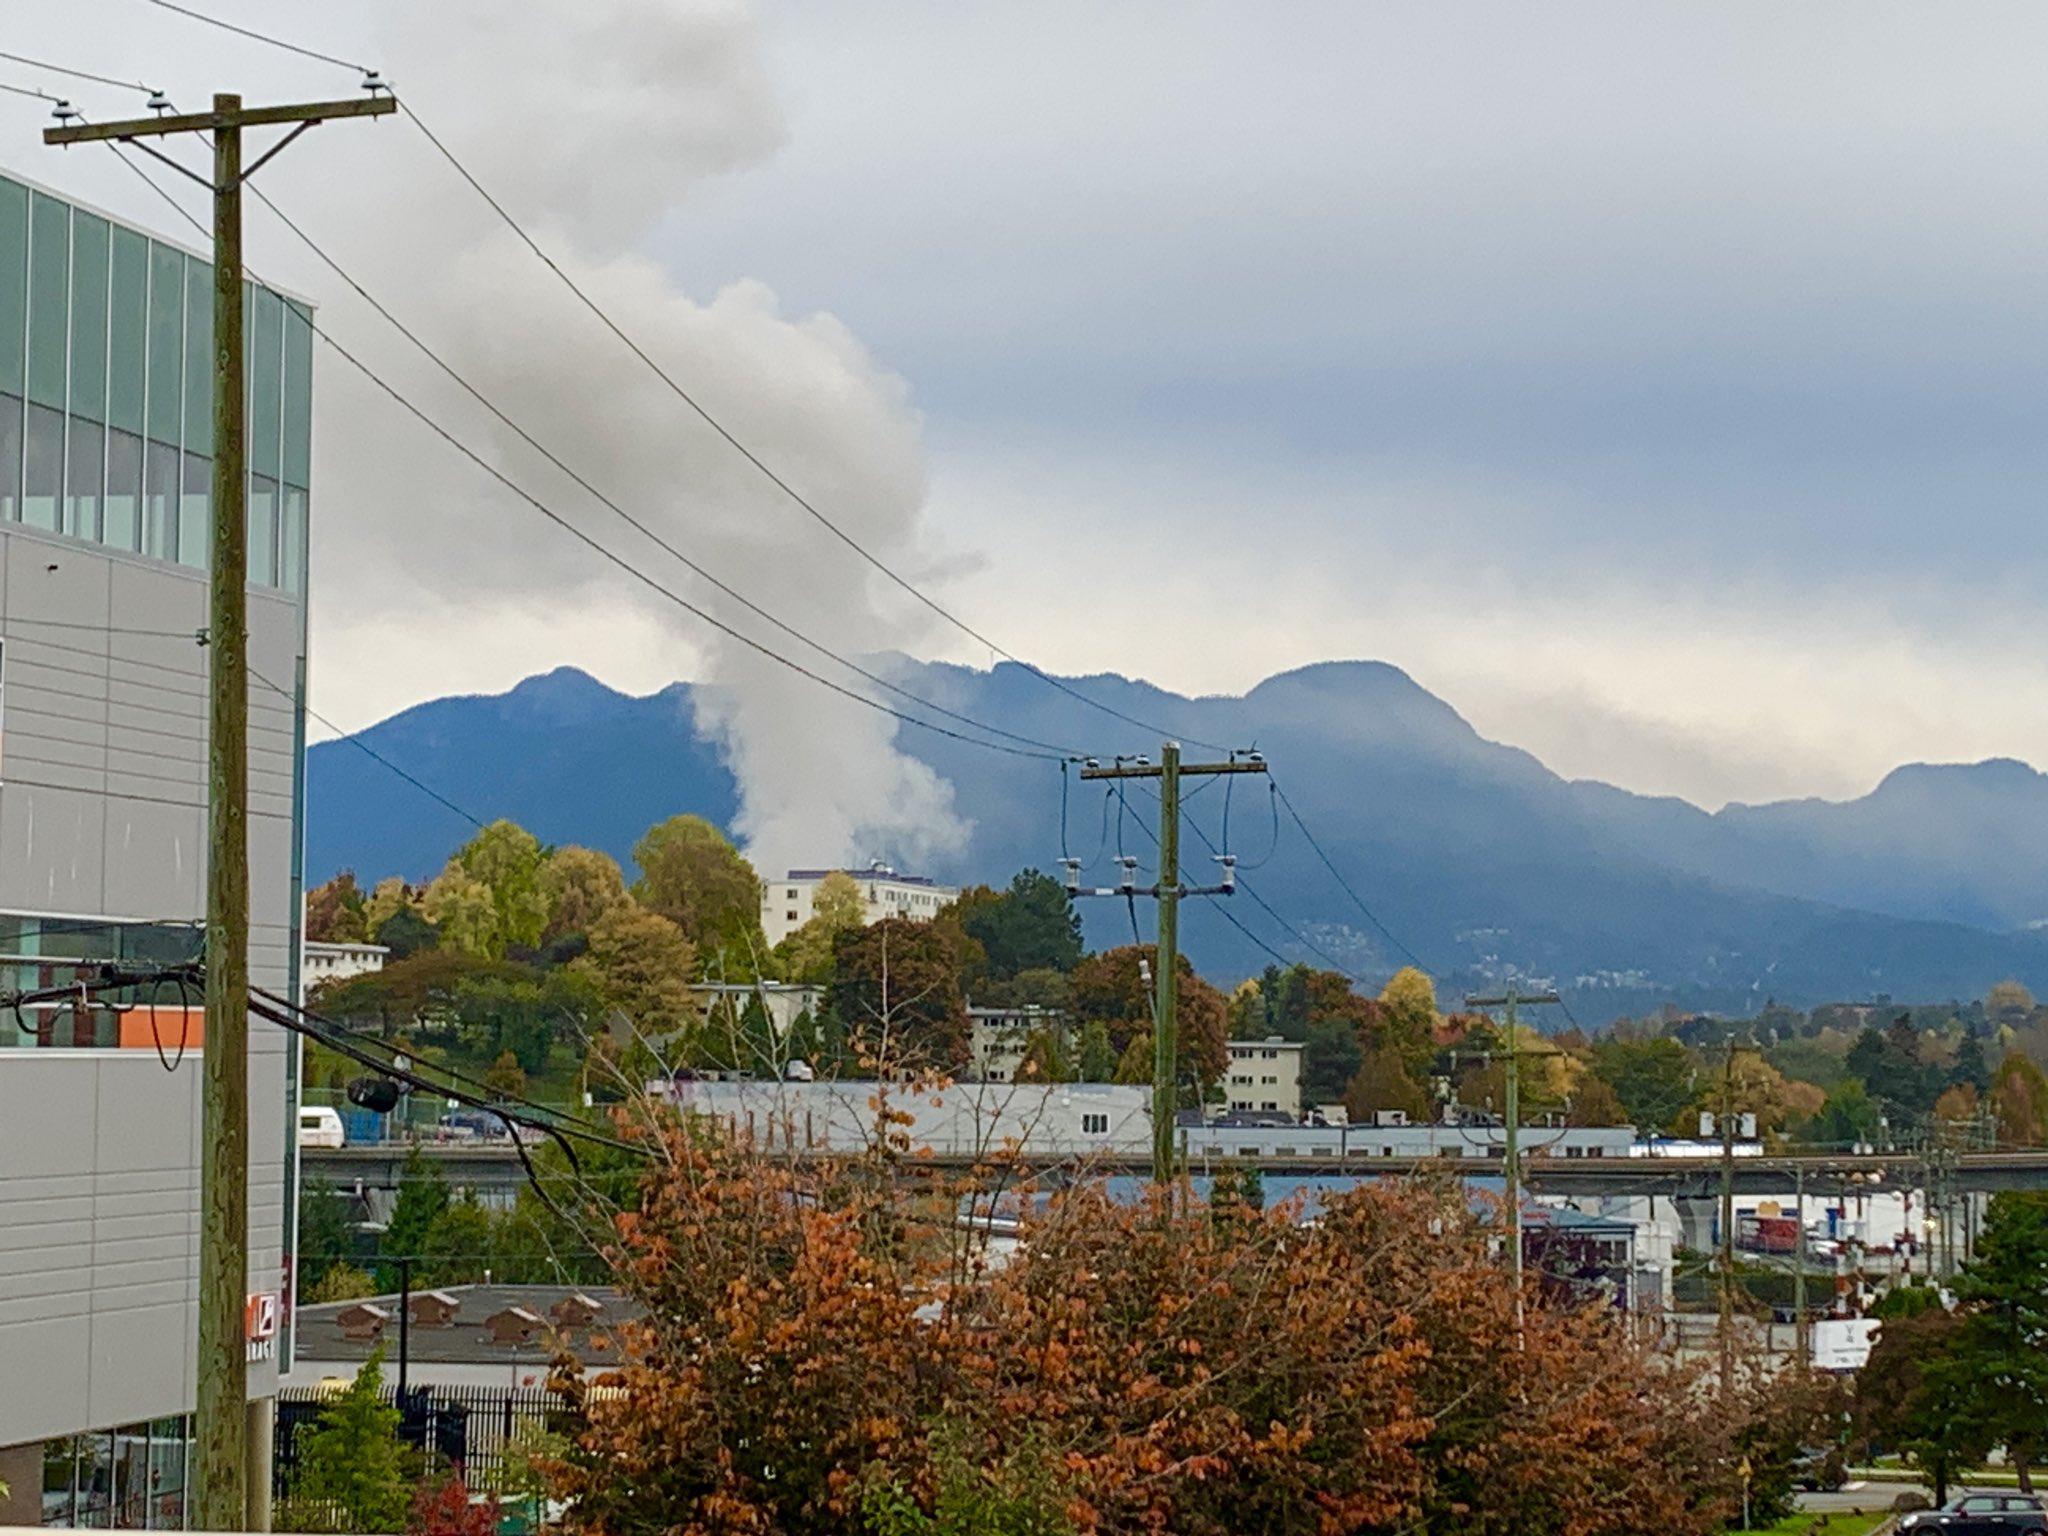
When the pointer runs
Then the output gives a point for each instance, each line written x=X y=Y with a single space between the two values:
x=320 y=1126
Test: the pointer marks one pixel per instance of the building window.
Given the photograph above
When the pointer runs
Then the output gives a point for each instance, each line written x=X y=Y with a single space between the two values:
x=38 y=953
x=1269 y=1104
x=1094 y=1125
x=1269 y=1055
x=789 y=916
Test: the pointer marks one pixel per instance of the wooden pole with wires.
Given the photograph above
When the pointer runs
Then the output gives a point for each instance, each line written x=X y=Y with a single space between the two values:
x=1511 y=1160
x=223 y=1498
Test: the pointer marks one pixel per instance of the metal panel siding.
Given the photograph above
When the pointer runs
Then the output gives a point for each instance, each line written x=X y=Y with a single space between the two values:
x=99 y=1200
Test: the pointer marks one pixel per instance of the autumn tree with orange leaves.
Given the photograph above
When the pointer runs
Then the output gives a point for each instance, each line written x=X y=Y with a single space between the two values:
x=815 y=1359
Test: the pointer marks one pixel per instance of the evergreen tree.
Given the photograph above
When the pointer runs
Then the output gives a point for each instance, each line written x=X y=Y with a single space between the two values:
x=326 y=1233
x=1098 y=1056
x=422 y=1197
x=353 y=1472
x=1995 y=1371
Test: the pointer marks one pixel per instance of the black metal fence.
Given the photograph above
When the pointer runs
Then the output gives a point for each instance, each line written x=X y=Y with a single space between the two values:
x=458 y=1430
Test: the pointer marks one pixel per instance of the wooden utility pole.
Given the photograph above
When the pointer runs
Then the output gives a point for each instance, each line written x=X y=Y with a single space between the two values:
x=1727 y=1329
x=1511 y=1161
x=1169 y=771
x=222 y=1496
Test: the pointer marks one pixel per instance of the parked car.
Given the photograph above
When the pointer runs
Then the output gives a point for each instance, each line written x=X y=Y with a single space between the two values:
x=320 y=1126
x=1819 y=1468
x=1980 y=1514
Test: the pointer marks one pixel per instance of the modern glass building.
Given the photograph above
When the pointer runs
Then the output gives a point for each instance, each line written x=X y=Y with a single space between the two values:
x=106 y=487
x=106 y=404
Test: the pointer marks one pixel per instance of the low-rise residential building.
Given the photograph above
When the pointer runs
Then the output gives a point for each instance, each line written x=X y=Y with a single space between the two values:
x=337 y=962
x=999 y=1037
x=786 y=903
x=1265 y=1076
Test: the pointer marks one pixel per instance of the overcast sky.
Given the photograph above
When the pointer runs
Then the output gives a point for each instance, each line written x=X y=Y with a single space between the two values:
x=1663 y=385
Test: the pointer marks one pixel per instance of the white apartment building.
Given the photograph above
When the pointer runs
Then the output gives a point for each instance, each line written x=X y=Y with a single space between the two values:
x=786 y=903
x=320 y=962
x=1265 y=1075
x=999 y=1037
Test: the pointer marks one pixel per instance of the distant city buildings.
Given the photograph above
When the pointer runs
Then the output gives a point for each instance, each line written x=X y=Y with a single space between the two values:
x=786 y=904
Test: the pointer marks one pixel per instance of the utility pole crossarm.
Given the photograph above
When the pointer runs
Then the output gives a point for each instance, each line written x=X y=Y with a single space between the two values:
x=1169 y=893
x=1155 y=770
x=212 y=122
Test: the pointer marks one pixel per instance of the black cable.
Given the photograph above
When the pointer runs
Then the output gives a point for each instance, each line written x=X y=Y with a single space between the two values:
x=33 y=95
x=76 y=74
x=1336 y=875
x=677 y=389
x=719 y=427
x=641 y=527
x=584 y=538
x=259 y=37
x=354 y=739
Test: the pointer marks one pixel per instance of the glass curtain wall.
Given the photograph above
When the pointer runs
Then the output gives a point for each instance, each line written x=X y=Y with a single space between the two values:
x=106 y=413
x=130 y=1479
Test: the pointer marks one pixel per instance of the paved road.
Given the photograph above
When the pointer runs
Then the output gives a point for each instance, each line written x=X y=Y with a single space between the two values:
x=1873 y=1496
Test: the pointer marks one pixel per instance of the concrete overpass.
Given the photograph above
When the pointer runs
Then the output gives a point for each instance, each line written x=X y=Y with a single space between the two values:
x=493 y=1170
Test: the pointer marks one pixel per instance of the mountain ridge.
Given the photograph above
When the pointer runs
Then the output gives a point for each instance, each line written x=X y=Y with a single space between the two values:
x=1485 y=860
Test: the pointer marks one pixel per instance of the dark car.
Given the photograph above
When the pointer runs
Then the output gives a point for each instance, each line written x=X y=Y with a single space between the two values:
x=1980 y=1514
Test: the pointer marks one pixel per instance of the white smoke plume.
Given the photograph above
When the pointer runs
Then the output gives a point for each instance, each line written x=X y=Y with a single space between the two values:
x=594 y=121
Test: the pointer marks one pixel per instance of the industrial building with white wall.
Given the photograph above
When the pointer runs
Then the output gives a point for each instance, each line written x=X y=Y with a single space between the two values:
x=106 y=364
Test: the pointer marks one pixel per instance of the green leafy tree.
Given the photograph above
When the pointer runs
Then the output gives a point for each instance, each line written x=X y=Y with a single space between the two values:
x=406 y=932
x=464 y=915
x=353 y=1474
x=386 y=900
x=422 y=1197
x=1098 y=1057
x=1995 y=1368
x=1906 y=1404
x=1382 y=1083
x=1030 y=926
x=338 y=1282
x=577 y=886
x=1848 y=1116
x=1408 y=1017
x=1046 y=1059
x=336 y=911
x=1332 y=1059
x=506 y=860
x=807 y=955
x=1892 y=1068
x=693 y=876
x=461 y=1245
x=1970 y=1067
x=642 y=963
x=326 y=1233
x=1652 y=1078
x=897 y=992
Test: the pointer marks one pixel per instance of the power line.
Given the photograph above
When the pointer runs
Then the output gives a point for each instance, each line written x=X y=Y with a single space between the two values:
x=76 y=74
x=604 y=318
x=1357 y=900
x=33 y=95
x=259 y=37
x=660 y=542
x=592 y=543
x=354 y=739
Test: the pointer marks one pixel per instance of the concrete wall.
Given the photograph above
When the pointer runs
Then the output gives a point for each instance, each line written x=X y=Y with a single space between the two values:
x=102 y=814
x=1067 y=1118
